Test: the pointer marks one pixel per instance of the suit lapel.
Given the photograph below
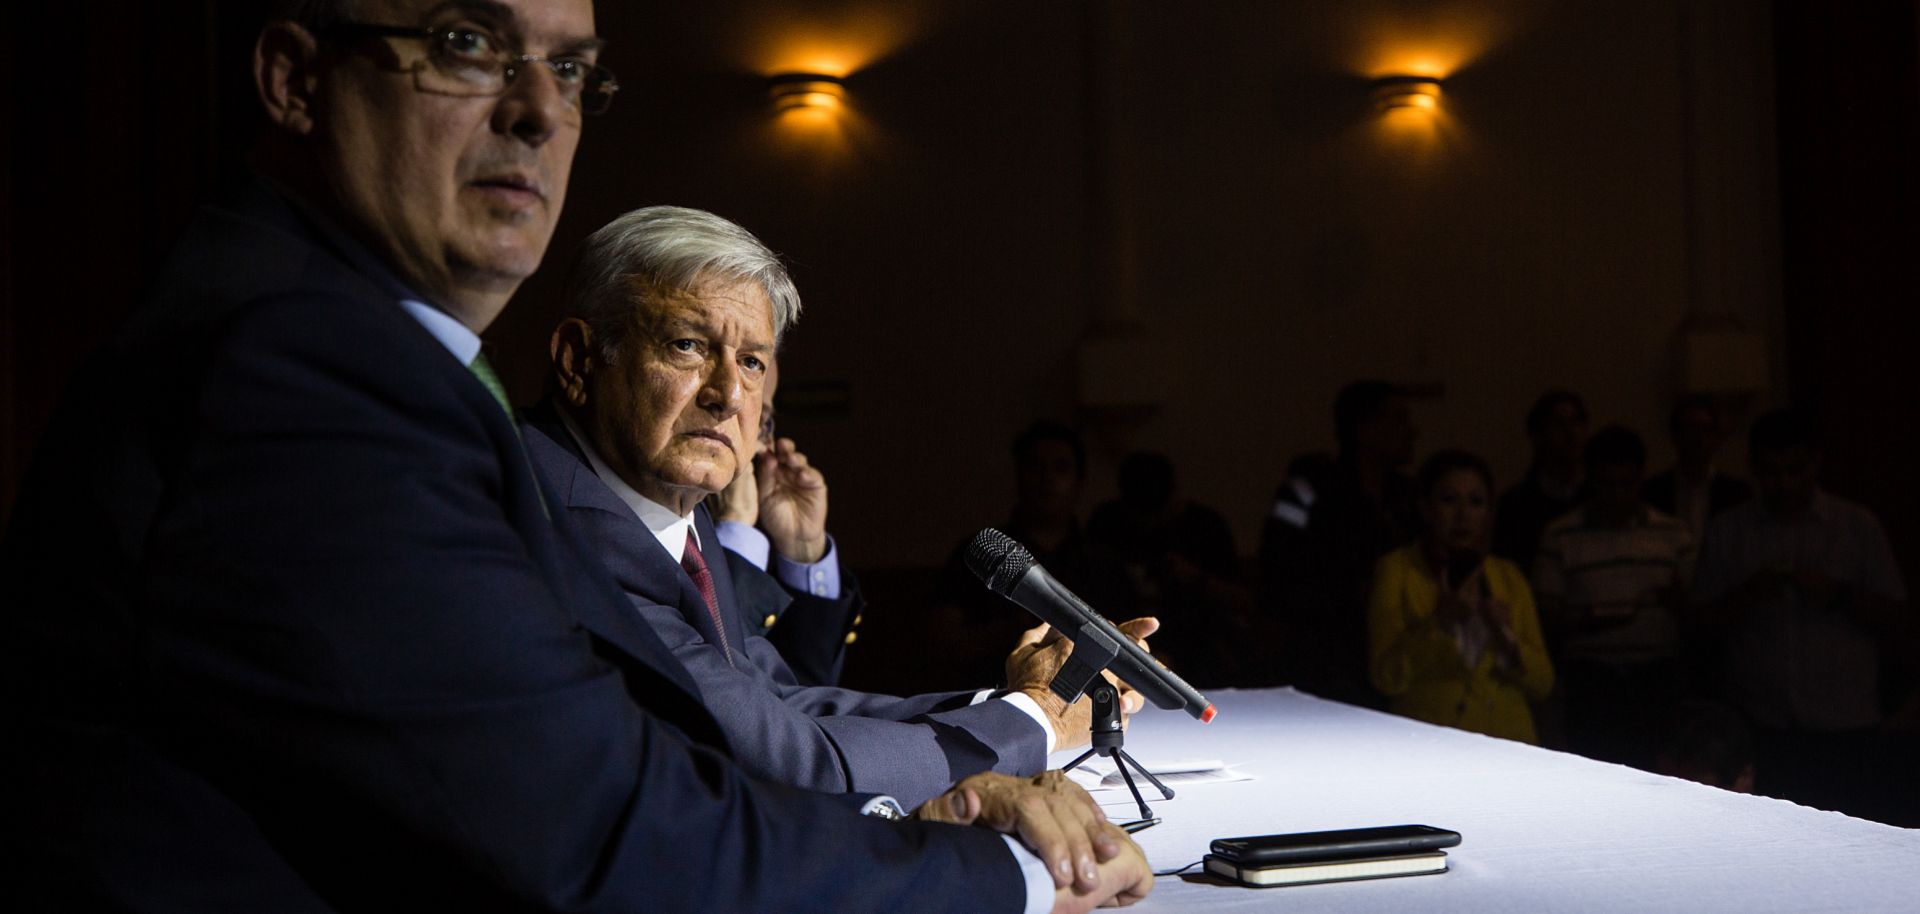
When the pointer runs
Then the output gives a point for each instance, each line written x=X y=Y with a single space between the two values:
x=640 y=565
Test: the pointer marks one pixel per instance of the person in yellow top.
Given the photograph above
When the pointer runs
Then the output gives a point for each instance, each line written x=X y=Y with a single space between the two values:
x=1452 y=633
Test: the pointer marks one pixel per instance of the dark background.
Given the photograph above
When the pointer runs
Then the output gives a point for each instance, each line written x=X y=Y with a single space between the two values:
x=1178 y=226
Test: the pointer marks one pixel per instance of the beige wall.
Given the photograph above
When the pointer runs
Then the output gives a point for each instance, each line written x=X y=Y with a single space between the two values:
x=1207 y=182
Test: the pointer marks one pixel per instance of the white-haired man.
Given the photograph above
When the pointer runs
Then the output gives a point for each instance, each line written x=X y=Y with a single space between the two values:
x=675 y=317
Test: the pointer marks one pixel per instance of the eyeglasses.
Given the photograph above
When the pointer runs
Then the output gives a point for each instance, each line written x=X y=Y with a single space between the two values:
x=469 y=61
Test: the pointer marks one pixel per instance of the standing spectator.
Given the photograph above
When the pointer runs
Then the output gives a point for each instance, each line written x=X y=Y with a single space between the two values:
x=1694 y=490
x=1180 y=556
x=1283 y=558
x=1453 y=635
x=1363 y=510
x=1800 y=588
x=1610 y=577
x=1554 y=485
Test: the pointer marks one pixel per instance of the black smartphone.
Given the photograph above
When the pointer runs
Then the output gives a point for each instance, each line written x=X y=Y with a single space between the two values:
x=1299 y=847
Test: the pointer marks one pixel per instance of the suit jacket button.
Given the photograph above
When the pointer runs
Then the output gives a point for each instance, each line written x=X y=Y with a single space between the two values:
x=769 y=620
x=852 y=637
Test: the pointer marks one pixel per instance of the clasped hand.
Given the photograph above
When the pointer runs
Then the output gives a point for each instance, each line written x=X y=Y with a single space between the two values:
x=1091 y=860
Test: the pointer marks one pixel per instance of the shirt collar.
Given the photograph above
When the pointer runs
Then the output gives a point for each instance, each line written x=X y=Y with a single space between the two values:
x=669 y=528
x=462 y=342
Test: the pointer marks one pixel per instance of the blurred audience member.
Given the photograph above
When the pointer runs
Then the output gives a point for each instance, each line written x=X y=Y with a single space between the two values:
x=1695 y=490
x=1709 y=743
x=1454 y=637
x=1801 y=588
x=1360 y=511
x=812 y=631
x=1554 y=485
x=1293 y=501
x=1283 y=557
x=1050 y=471
x=1611 y=580
x=1180 y=557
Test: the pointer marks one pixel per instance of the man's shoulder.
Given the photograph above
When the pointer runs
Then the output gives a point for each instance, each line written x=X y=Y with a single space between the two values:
x=251 y=247
x=1840 y=510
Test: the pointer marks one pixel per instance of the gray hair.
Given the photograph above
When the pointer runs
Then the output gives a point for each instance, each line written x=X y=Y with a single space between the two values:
x=675 y=248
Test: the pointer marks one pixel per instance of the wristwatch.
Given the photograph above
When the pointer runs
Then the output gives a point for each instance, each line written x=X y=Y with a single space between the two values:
x=883 y=807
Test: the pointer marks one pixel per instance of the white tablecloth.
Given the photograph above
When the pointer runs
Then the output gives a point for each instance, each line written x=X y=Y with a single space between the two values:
x=1541 y=831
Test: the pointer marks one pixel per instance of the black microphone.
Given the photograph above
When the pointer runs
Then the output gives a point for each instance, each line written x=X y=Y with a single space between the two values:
x=1008 y=569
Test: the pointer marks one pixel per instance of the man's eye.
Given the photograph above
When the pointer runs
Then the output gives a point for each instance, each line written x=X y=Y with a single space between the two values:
x=571 y=71
x=468 y=44
x=685 y=346
x=753 y=363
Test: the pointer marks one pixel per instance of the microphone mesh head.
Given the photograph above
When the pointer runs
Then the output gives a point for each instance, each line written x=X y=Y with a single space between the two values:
x=997 y=560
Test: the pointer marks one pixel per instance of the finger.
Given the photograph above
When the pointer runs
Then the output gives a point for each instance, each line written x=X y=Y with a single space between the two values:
x=1092 y=820
x=1033 y=635
x=1140 y=628
x=764 y=465
x=1055 y=803
x=1081 y=830
x=967 y=805
x=793 y=459
x=1142 y=875
x=1034 y=821
x=804 y=478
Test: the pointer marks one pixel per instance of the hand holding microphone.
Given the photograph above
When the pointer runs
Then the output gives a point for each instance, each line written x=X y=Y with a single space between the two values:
x=1038 y=657
x=1007 y=568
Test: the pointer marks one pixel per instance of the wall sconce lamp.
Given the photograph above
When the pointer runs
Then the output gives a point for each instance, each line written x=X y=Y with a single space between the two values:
x=793 y=91
x=1418 y=92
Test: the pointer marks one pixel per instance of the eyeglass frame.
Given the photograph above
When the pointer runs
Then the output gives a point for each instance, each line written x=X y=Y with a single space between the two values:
x=510 y=64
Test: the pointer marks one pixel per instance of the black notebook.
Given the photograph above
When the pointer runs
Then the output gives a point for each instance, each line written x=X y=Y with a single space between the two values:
x=1329 y=870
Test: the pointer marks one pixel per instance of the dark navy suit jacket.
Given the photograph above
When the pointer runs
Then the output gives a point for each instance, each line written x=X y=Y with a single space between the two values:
x=819 y=737
x=288 y=628
x=810 y=632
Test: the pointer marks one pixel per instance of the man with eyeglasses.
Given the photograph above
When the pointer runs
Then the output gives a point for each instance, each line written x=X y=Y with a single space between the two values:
x=293 y=625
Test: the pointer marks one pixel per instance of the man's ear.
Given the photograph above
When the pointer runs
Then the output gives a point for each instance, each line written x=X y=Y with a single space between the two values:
x=284 y=75
x=570 y=347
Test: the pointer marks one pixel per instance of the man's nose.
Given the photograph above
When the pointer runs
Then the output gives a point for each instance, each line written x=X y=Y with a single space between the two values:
x=723 y=394
x=534 y=107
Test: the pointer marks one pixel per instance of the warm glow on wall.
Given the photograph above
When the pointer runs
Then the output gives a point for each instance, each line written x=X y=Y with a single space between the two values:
x=829 y=38
x=1435 y=39
x=817 y=91
x=1420 y=93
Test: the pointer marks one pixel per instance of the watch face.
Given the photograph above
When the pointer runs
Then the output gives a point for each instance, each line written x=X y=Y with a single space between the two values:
x=884 y=808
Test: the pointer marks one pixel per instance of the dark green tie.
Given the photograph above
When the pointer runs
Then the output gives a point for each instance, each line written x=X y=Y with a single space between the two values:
x=483 y=370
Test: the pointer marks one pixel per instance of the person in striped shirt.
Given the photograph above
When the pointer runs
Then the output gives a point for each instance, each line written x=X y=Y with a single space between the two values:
x=1611 y=578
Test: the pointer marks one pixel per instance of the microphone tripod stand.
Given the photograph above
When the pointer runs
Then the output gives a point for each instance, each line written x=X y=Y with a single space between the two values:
x=1108 y=736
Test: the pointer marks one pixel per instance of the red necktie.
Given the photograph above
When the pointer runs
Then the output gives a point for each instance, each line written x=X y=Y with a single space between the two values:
x=696 y=566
